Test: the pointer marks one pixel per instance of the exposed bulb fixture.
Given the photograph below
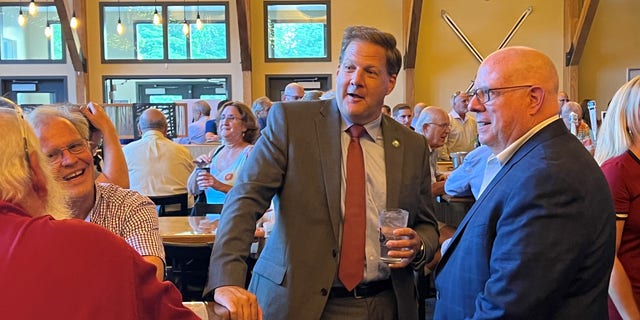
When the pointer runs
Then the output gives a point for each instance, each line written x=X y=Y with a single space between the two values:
x=22 y=20
x=47 y=31
x=119 y=27
x=33 y=9
x=198 y=22
x=74 y=21
x=185 y=28
x=156 y=17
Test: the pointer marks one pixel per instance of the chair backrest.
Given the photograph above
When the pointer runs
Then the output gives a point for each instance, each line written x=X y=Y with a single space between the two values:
x=163 y=201
x=201 y=209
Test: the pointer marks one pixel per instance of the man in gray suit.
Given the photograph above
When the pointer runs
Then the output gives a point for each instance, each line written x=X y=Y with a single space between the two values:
x=301 y=159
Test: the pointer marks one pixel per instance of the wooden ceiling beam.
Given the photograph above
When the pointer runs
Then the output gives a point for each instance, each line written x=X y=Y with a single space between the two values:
x=414 y=29
x=243 y=31
x=71 y=38
x=588 y=12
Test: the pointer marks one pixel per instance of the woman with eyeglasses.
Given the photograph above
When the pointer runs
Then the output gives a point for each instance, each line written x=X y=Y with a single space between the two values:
x=237 y=131
x=618 y=153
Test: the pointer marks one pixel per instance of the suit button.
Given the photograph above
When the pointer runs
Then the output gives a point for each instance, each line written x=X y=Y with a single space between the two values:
x=324 y=292
x=437 y=295
x=334 y=253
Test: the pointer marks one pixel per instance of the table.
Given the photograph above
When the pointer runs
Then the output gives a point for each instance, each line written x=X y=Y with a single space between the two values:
x=208 y=310
x=183 y=230
x=452 y=209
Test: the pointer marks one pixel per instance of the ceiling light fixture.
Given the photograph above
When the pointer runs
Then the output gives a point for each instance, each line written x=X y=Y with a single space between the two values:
x=156 y=16
x=73 y=23
x=33 y=8
x=22 y=20
x=185 y=24
x=119 y=26
x=198 y=20
x=47 y=30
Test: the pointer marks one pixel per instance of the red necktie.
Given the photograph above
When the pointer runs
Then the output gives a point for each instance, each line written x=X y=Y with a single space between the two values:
x=351 y=270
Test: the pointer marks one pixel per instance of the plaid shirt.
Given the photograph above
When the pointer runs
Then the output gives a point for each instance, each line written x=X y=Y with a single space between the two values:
x=130 y=215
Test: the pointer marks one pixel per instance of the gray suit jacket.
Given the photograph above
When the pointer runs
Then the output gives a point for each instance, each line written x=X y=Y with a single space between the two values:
x=298 y=160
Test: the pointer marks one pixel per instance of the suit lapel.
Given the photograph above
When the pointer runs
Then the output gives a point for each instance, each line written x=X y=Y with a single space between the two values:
x=393 y=157
x=328 y=136
x=552 y=129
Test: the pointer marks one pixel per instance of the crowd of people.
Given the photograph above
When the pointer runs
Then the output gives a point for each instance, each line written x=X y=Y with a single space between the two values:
x=553 y=233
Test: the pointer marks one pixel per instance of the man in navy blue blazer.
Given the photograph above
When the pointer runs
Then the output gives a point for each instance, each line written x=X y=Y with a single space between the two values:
x=539 y=241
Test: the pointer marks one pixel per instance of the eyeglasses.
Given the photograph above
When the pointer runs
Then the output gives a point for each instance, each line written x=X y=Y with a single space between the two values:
x=75 y=147
x=441 y=125
x=7 y=104
x=484 y=94
x=230 y=118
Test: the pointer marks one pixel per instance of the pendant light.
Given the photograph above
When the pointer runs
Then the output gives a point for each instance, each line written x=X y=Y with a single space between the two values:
x=22 y=20
x=47 y=30
x=198 y=20
x=73 y=23
x=119 y=26
x=156 y=16
x=33 y=9
x=185 y=24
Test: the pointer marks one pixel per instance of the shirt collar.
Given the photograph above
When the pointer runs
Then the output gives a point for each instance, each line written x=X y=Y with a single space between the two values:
x=507 y=153
x=373 y=128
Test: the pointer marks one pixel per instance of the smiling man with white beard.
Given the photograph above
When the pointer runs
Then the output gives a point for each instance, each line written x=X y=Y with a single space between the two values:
x=63 y=133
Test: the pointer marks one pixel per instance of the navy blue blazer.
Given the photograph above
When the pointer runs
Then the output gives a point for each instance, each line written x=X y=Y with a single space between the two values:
x=538 y=244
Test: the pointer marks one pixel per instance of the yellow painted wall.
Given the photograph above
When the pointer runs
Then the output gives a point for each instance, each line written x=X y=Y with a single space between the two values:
x=613 y=46
x=444 y=64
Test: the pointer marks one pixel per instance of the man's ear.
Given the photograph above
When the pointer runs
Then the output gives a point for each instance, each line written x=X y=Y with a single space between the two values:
x=536 y=97
x=39 y=183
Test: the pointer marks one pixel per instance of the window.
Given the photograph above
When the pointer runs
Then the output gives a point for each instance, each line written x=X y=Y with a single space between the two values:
x=297 y=31
x=28 y=44
x=170 y=41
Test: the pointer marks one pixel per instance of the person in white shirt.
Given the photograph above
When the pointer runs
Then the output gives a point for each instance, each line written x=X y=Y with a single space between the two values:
x=157 y=165
x=464 y=131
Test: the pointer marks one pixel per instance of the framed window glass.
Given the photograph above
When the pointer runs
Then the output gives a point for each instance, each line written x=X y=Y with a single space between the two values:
x=28 y=43
x=297 y=31
x=181 y=36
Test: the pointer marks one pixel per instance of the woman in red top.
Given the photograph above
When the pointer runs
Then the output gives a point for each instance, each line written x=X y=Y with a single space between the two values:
x=618 y=153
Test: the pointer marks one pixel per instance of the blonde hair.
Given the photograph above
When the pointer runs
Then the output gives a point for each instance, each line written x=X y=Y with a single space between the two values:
x=622 y=124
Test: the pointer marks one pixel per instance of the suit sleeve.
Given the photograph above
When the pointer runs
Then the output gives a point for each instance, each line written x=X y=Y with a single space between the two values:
x=247 y=201
x=538 y=246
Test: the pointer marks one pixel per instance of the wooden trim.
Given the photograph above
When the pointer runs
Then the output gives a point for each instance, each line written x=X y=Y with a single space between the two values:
x=70 y=38
x=579 y=41
x=243 y=31
x=414 y=29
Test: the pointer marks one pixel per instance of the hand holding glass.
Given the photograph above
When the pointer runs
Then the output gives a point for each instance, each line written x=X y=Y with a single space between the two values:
x=390 y=220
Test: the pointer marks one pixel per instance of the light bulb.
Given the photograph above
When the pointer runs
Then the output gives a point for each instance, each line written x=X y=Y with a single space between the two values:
x=185 y=28
x=22 y=20
x=119 y=27
x=156 y=17
x=74 y=21
x=199 y=22
x=47 y=31
x=33 y=9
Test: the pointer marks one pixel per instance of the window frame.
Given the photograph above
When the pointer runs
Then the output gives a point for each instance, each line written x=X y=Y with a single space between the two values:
x=326 y=3
x=52 y=21
x=163 y=11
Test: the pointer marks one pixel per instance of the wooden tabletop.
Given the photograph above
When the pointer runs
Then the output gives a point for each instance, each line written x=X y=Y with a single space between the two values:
x=184 y=230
